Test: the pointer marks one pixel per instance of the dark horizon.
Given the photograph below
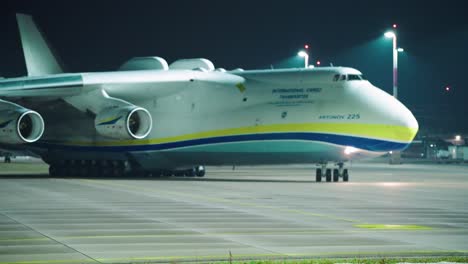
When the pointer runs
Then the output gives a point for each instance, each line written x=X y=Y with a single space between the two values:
x=100 y=36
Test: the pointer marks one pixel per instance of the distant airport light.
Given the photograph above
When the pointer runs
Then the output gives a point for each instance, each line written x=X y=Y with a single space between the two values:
x=457 y=138
x=318 y=63
x=350 y=150
x=447 y=88
x=389 y=34
x=306 y=46
x=394 y=25
x=400 y=50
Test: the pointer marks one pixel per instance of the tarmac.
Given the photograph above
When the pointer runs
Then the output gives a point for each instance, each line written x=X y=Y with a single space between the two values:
x=276 y=212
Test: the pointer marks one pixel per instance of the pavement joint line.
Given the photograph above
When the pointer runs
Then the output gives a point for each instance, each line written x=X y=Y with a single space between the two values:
x=50 y=238
x=287 y=255
x=44 y=261
x=24 y=239
x=225 y=201
x=195 y=234
x=205 y=234
x=393 y=254
x=394 y=227
x=361 y=230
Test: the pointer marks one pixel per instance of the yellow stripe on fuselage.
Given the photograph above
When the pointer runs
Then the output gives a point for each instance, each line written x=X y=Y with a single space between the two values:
x=383 y=132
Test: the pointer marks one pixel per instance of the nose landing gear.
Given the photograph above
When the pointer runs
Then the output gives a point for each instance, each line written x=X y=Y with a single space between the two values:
x=338 y=173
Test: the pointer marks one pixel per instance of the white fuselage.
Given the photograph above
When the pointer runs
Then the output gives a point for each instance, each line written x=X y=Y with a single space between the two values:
x=275 y=117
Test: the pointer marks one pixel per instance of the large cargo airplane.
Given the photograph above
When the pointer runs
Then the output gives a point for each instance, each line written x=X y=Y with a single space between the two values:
x=151 y=117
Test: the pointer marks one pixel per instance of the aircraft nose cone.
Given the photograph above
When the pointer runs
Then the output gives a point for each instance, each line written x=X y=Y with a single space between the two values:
x=406 y=124
x=402 y=125
x=410 y=122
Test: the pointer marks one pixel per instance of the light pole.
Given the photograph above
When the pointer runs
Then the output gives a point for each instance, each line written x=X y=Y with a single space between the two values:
x=392 y=35
x=395 y=156
x=305 y=56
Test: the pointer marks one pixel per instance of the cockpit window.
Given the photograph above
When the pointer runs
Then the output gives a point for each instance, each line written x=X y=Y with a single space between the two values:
x=349 y=77
x=354 y=77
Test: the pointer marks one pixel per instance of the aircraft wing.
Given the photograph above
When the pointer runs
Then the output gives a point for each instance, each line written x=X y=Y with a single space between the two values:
x=47 y=86
x=93 y=91
x=111 y=97
x=157 y=83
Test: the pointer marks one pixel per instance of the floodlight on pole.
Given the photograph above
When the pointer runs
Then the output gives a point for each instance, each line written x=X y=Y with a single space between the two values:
x=389 y=34
x=305 y=56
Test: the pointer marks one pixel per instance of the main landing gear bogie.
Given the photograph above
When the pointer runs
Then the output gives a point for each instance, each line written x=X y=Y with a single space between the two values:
x=115 y=169
x=330 y=174
x=87 y=168
x=198 y=171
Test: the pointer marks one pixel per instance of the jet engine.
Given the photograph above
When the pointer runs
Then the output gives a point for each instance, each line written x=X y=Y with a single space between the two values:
x=20 y=125
x=130 y=122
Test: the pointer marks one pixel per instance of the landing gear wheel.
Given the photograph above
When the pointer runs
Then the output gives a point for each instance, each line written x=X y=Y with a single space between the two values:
x=179 y=173
x=156 y=174
x=53 y=171
x=336 y=175
x=200 y=171
x=61 y=170
x=167 y=173
x=318 y=175
x=83 y=170
x=328 y=175
x=106 y=171
x=191 y=172
x=345 y=175
x=94 y=171
x=74 y=170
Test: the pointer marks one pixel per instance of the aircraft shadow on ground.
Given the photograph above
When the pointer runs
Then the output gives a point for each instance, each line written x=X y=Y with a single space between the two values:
x=194 y=179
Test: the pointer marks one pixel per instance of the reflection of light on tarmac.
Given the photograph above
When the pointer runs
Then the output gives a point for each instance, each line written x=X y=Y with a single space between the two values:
x=383 y=184
x=392 y=184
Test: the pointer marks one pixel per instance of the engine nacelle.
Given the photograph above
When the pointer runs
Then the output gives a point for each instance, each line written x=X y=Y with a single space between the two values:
x=130 y=122
x=20 y=125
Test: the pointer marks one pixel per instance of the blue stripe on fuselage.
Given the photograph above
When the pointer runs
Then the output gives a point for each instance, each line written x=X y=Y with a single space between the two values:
x=357 y=142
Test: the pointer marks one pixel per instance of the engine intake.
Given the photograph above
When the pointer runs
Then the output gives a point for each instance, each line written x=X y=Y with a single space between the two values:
x=20 y=125
x=130 y=122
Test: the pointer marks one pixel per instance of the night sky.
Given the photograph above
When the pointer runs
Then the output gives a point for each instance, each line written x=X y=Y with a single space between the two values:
x=102 y=35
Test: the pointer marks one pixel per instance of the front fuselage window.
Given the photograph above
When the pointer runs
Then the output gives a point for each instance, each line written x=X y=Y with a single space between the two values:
x=354 y=77
x=343 y=77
